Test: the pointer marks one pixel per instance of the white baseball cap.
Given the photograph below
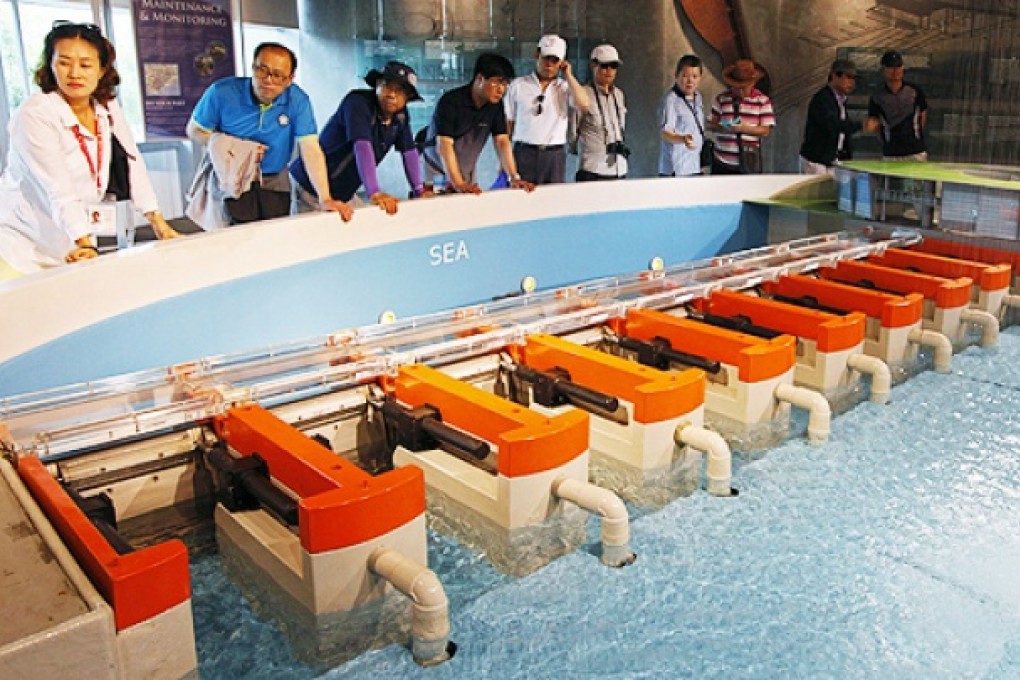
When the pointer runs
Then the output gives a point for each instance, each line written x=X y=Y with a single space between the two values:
x=606 y=54
x=552 y=46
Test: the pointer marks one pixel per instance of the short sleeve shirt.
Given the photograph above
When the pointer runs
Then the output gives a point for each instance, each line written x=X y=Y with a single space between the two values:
x=457 y=117
x=357 y=118
x=683 y=117
x=728 y=107
x=230 y=106
x=522 y=107
x=900 y=114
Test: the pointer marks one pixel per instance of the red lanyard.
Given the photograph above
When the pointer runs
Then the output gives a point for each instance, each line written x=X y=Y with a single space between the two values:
x=93 y=166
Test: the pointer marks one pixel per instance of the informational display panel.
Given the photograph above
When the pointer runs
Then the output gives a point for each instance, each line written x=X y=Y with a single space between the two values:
x=183 y=47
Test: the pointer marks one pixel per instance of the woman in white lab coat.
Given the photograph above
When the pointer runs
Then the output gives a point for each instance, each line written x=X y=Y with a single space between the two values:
x=59 y=165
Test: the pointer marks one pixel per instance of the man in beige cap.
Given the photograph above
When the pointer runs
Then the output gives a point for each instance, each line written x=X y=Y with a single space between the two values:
x=537 y=110
x=600 y=145
x=741 y=117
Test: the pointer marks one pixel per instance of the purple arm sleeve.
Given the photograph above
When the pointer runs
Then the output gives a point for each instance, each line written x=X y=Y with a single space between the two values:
x=412 y=168
x=365 y=156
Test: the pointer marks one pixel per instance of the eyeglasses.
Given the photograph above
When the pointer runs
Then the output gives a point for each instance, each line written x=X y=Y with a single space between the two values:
x=610 y=65
x=73 y=27
x=261 y=71
x=539 y=99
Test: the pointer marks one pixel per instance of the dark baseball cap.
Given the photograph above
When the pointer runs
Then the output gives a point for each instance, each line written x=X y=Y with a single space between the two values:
x=399 y=74
x=892 y=58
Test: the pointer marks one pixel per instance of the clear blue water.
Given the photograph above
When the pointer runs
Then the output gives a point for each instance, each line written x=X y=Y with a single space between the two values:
x=893 y=552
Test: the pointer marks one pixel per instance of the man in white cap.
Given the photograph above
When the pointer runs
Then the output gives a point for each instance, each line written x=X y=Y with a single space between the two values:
x=600 y=143
x=537 y=110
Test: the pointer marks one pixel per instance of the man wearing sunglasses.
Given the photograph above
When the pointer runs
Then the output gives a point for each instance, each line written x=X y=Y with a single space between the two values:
x=537 y=110
x=601 y=149
x=829 y=128
x=272 y=112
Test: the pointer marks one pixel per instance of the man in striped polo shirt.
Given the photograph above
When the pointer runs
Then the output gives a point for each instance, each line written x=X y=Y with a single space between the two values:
x=741 y=117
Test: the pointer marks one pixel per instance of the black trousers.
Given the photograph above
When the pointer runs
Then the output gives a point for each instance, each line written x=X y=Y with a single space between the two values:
x=723 y=169
x=257 y=204
x=585 y=176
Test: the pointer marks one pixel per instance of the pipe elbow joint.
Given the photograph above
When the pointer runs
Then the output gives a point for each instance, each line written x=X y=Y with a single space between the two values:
x=881 y=376
x=817 y=406
x=427 y=592
x=988 y=323
x=611 y=511
x=719 y=458
x=939 y=343
x=430 y=611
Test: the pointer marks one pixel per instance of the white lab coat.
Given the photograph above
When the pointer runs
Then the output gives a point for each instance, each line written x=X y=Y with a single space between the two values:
x=47 y=184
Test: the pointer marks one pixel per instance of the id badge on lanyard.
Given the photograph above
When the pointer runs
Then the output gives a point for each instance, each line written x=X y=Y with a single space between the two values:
x=101 y=215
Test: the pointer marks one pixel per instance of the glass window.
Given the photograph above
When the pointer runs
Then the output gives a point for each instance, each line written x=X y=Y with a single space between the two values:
x=10 y=58
x=36 y=17
x=129 y=94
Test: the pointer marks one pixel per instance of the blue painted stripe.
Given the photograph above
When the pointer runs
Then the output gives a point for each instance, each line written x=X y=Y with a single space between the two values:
x=409 y=278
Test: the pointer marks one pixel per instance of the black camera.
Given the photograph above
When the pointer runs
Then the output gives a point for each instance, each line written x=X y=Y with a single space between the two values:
x=618 y=148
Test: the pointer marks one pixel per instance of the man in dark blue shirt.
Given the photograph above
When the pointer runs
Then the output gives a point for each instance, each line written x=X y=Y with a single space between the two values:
x=358 y=136
x=464 y=119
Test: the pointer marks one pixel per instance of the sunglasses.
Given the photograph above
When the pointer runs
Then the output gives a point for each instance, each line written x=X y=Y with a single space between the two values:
x=610 y=65
x=72 y=27
x=539 y=99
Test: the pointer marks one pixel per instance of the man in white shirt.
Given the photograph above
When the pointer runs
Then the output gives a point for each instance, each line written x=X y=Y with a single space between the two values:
x=537 y=111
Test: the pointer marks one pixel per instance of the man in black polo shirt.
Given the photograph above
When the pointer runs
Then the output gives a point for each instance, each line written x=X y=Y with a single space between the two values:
x=463 y=121
x=898 y=111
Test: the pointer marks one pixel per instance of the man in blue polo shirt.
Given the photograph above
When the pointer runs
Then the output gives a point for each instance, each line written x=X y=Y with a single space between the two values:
x=367 y=124
x=464 y=120
x=271 y=110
